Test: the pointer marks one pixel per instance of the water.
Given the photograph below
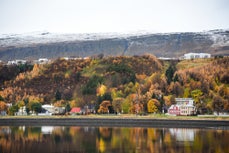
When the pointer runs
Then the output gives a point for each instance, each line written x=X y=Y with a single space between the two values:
x=74 y=139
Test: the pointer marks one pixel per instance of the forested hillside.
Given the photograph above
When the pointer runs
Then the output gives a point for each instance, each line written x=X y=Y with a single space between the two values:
x=135 y=84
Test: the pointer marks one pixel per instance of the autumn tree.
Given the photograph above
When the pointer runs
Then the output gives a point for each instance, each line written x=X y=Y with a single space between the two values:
x=176 y=89
x=152 y=105
x=106 y=97
x=101 y=90
x=126 y=105
x=3 y=106
x=13 y=109
x=35 y=70
x=117 y=104
x=218 y=104
x=21 y=103
x=196 y=95
x=103 y=108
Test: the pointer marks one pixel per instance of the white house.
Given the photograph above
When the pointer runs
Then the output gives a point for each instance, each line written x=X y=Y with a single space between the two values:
x=21 y=112
x=47 y=109
x=52 y=110
x=183 y=106
x=43 y=60
x=196 y=55
x=16 y=62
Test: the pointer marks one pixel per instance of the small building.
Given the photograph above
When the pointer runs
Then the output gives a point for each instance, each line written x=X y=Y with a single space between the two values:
x=52 y=110
x=16 y=62
x=59 y=111
x=183 y=106
x=196 y=55
x=47 y=110
x=21 y=112
x=3 y=113
x=43 y=61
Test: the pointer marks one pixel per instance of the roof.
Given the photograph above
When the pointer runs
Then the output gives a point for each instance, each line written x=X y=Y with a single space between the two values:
x=47 y=106
x=75 y=110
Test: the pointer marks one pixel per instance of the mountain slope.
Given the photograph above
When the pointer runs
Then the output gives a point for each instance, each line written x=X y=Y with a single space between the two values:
x=162 y=45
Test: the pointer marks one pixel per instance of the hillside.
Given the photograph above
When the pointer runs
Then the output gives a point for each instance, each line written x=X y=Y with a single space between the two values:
x=48 y=45
x=120 y=83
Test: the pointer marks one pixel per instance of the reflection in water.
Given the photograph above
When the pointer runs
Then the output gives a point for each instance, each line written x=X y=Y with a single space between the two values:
x=182 y=134
x=107 y=139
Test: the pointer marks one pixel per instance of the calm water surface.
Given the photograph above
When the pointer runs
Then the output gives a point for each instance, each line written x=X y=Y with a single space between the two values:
x=55 y=139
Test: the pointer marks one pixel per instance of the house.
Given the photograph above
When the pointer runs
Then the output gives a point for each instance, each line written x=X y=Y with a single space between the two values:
x=16 y=62
x=75 y=110
x=72 y=58
x=196 y=55
x=21 y=112
x=43 y=61
x=183 y=106
x=47 y=110
x=59 y=111
x=52 y=110
x=3 y=113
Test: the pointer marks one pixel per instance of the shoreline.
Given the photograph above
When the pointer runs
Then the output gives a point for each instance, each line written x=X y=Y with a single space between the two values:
x=115 y=122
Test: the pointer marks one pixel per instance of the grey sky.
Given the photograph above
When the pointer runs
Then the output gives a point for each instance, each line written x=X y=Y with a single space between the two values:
x=87 y=16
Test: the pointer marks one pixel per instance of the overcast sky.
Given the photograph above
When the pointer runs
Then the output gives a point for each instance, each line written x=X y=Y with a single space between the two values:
x=95 y=16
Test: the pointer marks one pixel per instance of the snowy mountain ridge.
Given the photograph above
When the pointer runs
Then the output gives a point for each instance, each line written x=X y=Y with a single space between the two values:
x=53 y=45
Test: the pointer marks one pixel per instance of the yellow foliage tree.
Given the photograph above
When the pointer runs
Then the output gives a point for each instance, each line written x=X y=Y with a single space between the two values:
x=59 y=103
x=151 y=106
x=21 y=103
x=35 y=70
x=101 y=90
x=73 y=103
x=35 y=98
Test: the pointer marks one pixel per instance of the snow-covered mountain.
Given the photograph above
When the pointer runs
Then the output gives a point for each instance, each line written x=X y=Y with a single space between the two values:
x=43 y=37
x=51 y=45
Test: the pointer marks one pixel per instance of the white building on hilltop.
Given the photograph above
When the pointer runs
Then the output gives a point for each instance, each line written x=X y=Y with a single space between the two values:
x=16 y=62
x=43 y=61
x=196 y=55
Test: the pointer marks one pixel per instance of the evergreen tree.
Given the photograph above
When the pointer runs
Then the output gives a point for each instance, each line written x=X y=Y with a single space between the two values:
x=58 y=95
x=169 y=74
x=67 y=107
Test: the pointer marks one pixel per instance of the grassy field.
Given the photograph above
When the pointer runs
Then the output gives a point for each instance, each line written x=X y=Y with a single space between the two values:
x=192 y=63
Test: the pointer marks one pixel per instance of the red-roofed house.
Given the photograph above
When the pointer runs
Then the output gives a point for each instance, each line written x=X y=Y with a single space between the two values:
x=75 y=110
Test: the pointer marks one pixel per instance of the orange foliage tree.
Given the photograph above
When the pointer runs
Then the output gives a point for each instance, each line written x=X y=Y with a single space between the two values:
x=103 y=107
x=3 y=106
